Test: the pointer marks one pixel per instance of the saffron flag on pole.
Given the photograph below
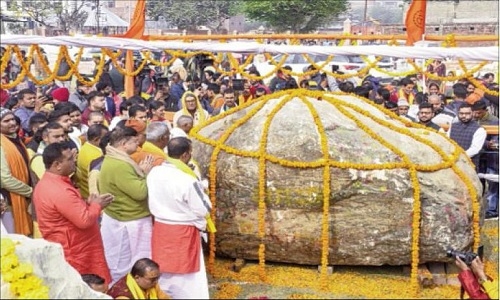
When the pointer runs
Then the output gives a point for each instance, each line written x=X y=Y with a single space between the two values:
x=135 y=31
x=415 y=21
x=138 y=22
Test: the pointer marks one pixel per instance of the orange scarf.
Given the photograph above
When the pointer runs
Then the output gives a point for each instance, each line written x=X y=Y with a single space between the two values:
x=23 y=224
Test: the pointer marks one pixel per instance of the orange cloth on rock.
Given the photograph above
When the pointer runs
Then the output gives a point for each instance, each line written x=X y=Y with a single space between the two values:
x=23 y=224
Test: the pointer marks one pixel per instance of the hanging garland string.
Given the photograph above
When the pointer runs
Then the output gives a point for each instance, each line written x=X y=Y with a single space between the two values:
x=354 y=113
x=236 y=67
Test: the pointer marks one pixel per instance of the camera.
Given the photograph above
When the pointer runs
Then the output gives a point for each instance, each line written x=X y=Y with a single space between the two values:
x=466 y=257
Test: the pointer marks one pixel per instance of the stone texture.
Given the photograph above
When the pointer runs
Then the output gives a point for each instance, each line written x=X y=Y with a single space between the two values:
x=370 y=211
x=48 y=263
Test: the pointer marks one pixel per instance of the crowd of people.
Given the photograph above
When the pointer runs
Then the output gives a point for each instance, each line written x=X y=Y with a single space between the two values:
x=112 y=179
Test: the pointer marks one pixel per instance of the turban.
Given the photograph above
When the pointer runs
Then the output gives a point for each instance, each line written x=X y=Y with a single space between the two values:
x=61 y=94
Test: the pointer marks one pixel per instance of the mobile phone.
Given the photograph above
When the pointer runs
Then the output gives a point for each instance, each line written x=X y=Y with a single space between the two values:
x=480 y=252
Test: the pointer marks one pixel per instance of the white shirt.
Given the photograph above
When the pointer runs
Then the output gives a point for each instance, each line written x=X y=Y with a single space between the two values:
x=477 y=141
x=177 y=132
x=77 y=132
x=177 y=198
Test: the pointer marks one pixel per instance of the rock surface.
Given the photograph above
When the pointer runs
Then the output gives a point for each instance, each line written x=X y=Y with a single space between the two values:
x=370 y=211
x=49 y=265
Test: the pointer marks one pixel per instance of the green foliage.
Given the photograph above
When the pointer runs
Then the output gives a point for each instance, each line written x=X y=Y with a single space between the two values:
x=42 y=10
x=15 y=28
x=298 y=16
x=193 y=13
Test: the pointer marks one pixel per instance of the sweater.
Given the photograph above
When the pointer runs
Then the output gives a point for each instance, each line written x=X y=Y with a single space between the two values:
x=118 y=178
x=87 y=154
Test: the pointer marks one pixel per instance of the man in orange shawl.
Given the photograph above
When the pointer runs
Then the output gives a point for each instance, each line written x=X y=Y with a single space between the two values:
x=14 y=177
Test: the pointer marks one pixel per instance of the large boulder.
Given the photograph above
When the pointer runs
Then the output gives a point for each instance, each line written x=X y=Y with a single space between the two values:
x=48 y=263
x=370 y=211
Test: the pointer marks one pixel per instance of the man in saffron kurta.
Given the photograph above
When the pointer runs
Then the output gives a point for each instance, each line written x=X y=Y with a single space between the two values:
x=179 y=205
x=65 y=218
x=14 y=179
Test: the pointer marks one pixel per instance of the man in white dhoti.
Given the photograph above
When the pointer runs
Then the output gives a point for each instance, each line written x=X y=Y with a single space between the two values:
x=126 y=224
x=179 y=206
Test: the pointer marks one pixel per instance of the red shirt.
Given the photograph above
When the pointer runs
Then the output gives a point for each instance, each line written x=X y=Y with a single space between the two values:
x=65 y=218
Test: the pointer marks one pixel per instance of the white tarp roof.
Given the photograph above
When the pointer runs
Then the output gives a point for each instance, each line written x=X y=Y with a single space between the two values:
x=465 y=53
x=111 y=19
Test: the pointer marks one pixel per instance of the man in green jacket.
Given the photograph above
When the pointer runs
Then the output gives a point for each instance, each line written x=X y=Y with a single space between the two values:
x=126 y=225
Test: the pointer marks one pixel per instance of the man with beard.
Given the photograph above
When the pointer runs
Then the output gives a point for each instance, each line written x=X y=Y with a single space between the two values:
x=489 y=160
x=163 y=95
x=61 y=116
x=425 y=115
x=80 y=96
x=468 y=133
x=14 y=176
x=51 y=133
x=96 y=102
x=245 y=96
x=29 y=105
x=459 y=94
x=107 y=91
x=442 y=115
x=75 y=115
x=283 y=80
x=229 y=101
x=66 y=218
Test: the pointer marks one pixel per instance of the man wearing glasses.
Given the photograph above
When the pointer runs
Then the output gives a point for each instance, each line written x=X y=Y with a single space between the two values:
x=425 y=115
x=468 y=133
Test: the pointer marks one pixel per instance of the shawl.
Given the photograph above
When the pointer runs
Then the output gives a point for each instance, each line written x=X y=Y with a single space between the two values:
x=120 y=155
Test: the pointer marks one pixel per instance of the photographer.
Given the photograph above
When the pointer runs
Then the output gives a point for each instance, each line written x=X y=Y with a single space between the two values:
x=474 y=281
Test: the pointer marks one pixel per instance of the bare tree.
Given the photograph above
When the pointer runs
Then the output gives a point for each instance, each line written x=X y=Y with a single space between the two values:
x=45 y=12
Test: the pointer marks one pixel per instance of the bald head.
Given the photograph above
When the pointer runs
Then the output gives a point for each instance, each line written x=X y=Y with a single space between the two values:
x=185 y=123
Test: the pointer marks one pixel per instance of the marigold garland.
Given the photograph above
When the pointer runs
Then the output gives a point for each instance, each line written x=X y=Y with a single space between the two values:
x=325 y=222
x=23 y=283
x=262 y=182
x=236 y=67
x=213 y=171
x=345 y=107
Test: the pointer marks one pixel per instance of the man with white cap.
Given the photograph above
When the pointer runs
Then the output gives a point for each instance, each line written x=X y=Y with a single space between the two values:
x=403 y=107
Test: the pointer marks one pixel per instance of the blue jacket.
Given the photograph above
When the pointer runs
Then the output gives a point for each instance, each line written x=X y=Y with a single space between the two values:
x=177 y=90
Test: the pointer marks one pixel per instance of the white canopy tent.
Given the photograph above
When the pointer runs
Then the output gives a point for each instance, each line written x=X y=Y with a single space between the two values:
x=466 y=53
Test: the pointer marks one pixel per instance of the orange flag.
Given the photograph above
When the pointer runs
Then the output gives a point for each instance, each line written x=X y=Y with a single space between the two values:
x=415 y=21
x=138 y=23
x=135 y=31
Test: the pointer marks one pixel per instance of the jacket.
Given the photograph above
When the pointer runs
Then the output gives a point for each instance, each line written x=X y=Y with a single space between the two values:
x=119 y=179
